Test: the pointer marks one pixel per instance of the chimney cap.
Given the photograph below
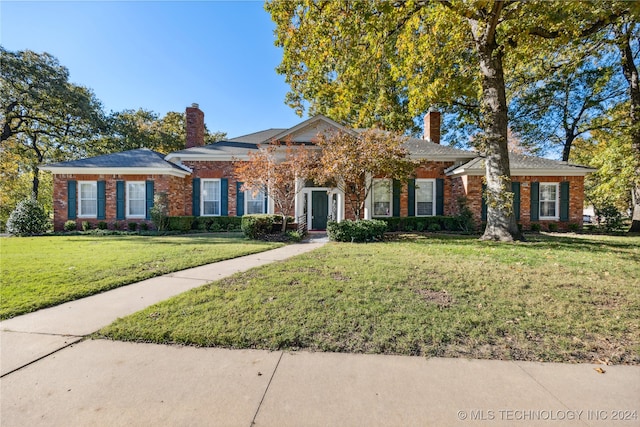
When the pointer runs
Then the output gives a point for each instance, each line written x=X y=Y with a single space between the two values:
x=195 y=105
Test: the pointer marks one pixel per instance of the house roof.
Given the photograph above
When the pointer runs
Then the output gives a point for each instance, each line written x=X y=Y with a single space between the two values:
x=141 y=160
x=423 y=149
x=522 y=165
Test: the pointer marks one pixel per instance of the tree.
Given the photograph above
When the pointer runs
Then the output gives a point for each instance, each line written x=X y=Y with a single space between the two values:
x=404 y=57
x=44 y=116
x=627 y=35
x=275 y=169
x=349 y=161
x=567 y=98
x=131 y=129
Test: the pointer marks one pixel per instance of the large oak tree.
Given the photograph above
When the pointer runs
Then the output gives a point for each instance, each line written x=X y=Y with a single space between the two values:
x=384 y=63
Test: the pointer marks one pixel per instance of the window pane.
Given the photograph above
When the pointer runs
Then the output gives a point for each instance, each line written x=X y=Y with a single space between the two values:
x=255 y=202
x=88 y=199
x=424 y=198
x=548 y=201
x=211 y=198
x=381 y=197
x=136 y=199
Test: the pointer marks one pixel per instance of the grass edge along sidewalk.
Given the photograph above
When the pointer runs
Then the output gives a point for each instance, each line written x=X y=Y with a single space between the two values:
x=40 y=272
x=555 y=298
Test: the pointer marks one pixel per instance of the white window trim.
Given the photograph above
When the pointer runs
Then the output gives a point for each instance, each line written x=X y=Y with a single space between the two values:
x=95 y=184
x=373 y=197
x=202 y=182
x=433 y=192
x=556 y=217
x=143 y=215
x=247 y=193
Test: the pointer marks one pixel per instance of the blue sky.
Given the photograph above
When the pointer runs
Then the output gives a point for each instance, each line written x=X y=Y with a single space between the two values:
x=163 y=55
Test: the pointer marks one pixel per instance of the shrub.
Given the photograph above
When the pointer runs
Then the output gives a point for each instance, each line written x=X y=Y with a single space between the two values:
x=574 y=227
x=535 y=227
x=356 y=231
x=133 y=226
x=434 y=227
x=144 y=226
x=102 y=225
x=160 y=211
x=180 y=223
x=463 y=222
x=86 y=225
x=610 y=217
x=27 y=218
x=294 y=236
x=70 y=225
x=257 y=226
x=553 y=227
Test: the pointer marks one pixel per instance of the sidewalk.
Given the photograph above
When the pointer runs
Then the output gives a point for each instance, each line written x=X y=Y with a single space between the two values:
x=53 y=376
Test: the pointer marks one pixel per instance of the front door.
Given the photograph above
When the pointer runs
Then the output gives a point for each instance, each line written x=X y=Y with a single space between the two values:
x=319 y=210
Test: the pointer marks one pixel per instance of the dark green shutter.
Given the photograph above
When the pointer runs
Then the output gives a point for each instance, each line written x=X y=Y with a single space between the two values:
x=102 y=199
x=564 y=201
x=224 y=191
x=72 y=201
x=149 y=199
x=396 y=197
x=411 y=199
x=195 y=197
x=535 y=201
x=439 y=196
x=120 y=200
x=515 y=188
x=483 y=209
x=239 y=199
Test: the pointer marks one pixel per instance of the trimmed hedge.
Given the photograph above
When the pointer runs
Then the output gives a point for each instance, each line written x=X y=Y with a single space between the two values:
x=364 y=230
x=258 y=225
x=217 y=223
x=180 y=223
x=426 y=223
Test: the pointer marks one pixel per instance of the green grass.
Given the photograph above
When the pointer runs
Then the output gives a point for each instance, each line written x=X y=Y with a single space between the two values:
x=39 y=272
x=550 y=299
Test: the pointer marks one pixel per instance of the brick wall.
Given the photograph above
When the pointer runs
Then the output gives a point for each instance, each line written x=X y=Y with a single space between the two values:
x=174 y=186
x=212 y=170
x=471 y=188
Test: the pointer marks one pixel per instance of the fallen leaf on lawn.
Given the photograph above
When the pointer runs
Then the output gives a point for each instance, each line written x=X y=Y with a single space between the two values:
x=599 y=370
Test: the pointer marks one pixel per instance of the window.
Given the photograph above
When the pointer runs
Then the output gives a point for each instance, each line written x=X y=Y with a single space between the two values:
x=136 y=202
x=381 y=197
x=549 y=201
x=254 y=202
x=88 y=197
x=210 y=197
x=425 y=197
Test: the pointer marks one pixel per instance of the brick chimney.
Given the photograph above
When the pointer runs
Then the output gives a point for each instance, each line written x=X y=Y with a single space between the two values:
x=195 y=126
x=432 y=126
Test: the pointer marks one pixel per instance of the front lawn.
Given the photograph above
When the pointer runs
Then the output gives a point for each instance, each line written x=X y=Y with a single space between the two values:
x=38 y=272
x=554 y=298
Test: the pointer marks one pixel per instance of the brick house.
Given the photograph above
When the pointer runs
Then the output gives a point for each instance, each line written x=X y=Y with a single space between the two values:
x=200 y=181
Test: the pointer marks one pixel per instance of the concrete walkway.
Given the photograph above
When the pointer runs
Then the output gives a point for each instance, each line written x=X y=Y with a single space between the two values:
x=53 y=376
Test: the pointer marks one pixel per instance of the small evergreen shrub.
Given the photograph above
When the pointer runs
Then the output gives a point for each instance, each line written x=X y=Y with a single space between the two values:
x=86 y=226
x=133 y=226
x=574 y=227
x=553 y=227
x=356 y=231
x=70 y=225
x=144 y=226
x=27 y=218
x=535 y=227
x=258 y=225
x=434 y=227
x=102 y=225
x=609 y=217
x=294 y=236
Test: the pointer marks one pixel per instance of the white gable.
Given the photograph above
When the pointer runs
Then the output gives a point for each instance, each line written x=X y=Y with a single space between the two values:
x=309 y=130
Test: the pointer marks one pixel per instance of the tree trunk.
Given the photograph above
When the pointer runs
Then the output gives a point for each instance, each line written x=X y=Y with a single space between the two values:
x=501 y=222
x=630 y=72
x=36 y=183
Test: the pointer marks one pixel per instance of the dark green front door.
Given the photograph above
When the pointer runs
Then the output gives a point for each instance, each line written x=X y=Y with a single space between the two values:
x=319 y=210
